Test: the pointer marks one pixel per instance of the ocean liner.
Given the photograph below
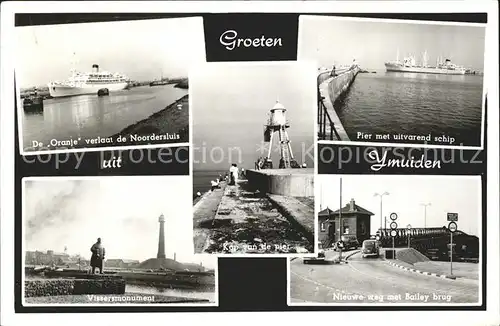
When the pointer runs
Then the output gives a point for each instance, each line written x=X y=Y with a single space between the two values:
x=88 y=83
x=445 y=67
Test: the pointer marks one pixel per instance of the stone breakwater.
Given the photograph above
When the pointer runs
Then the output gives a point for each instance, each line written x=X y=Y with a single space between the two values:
x=55 y=287
x=237 y=219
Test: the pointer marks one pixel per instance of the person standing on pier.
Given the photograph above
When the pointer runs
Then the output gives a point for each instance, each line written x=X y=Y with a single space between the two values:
x=97 y=259
x=233 y=174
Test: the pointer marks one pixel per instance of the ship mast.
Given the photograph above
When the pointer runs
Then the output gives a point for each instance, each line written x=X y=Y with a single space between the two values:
x=397 y=55
x=73 y=65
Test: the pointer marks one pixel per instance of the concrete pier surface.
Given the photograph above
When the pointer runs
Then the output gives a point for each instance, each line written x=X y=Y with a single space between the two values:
x=330 y=90
x=237 y=219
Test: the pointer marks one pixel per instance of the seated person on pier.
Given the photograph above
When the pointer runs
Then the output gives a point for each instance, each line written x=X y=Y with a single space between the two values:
x=215 y=184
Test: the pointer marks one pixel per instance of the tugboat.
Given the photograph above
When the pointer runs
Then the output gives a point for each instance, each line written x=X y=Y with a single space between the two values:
x=33 y=102
x=159 y=82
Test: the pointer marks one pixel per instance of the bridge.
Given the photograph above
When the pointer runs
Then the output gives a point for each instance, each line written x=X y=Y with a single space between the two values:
x=434 y=242
x=332 y=84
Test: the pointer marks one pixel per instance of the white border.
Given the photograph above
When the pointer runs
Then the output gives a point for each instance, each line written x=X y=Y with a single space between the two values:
x=373 y=178
x=305 y=64
x=20 y=110
x=99 y=304
x=487 y=80
x=480 y=318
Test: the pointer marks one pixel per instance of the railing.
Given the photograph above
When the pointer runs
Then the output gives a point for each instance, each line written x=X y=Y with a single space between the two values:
x=323 y=115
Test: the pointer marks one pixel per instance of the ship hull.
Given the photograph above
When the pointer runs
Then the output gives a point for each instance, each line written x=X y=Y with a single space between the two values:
x=396 y=68
x=57 y=90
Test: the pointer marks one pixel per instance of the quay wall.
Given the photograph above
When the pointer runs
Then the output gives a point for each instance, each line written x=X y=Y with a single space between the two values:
x=284 y=184
x=339 y=84
x=330 y=89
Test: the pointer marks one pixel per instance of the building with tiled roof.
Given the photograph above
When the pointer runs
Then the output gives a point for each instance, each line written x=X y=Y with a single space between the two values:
x=355 y=221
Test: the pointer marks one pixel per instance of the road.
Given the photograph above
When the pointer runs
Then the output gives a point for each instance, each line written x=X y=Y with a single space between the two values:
x=374 y=280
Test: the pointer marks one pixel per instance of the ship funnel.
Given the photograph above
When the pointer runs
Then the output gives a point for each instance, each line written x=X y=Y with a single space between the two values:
x=95 y=68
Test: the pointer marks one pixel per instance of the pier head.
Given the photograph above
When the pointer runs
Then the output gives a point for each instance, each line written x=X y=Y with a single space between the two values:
x=268 y=210
x=284 y=182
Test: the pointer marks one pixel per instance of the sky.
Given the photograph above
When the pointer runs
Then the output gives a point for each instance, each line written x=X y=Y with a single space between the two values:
x=231 y=104
x=142 y=50
x=451 y=194
x=122 y=211
x=330 y=40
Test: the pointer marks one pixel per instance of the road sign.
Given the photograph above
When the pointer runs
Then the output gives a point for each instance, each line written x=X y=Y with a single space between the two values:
x=377 y=237
x=393 y=216
x=451 y=245
x=340 y=244
x=452 y=227
x=394 y=225
x=452 y=217
x=394 y=233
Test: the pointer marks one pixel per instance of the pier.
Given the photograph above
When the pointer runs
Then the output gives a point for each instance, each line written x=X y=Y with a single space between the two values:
x=332 y=84
x=264 y=210
x=246 y=218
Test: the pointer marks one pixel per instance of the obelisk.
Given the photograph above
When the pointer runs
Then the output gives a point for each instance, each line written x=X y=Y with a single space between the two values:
x=161 y=240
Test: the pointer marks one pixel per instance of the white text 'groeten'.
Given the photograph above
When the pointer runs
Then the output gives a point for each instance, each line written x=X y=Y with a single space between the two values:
x=230 y=40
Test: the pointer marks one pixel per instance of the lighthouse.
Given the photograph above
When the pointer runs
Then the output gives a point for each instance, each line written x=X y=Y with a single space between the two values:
x=161 y=240
x=277 y=123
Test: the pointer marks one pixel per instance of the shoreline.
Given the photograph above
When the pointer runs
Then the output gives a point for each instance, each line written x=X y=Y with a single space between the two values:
x=170 y=121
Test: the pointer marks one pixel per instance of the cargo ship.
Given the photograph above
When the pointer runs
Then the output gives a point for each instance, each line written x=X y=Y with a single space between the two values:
x=445 y=67
x=88 y=83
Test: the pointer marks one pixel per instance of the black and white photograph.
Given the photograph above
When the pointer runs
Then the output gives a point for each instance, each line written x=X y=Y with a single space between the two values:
x=388 y=81
x=385 y=240
x=101 y=85
x=253 y=158
x=112 y=241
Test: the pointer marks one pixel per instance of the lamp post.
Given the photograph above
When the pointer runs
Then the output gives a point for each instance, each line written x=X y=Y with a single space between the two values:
x=381 y=196
x=425 y=213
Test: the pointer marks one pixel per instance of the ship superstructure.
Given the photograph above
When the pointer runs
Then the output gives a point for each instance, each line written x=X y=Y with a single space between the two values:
x=409 y=64
x=88 y=83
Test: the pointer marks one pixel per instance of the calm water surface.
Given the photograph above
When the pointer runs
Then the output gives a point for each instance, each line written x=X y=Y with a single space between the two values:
x=416 y=104
x=89 y=116
x=171 y=292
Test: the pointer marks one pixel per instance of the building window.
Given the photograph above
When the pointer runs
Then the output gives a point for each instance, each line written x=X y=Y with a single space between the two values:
x=322 y=227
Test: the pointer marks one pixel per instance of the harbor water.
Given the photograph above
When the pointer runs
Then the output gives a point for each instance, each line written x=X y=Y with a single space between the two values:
x=90 y=116
x=414 y=104
x=202 y=178
x=148 y=290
